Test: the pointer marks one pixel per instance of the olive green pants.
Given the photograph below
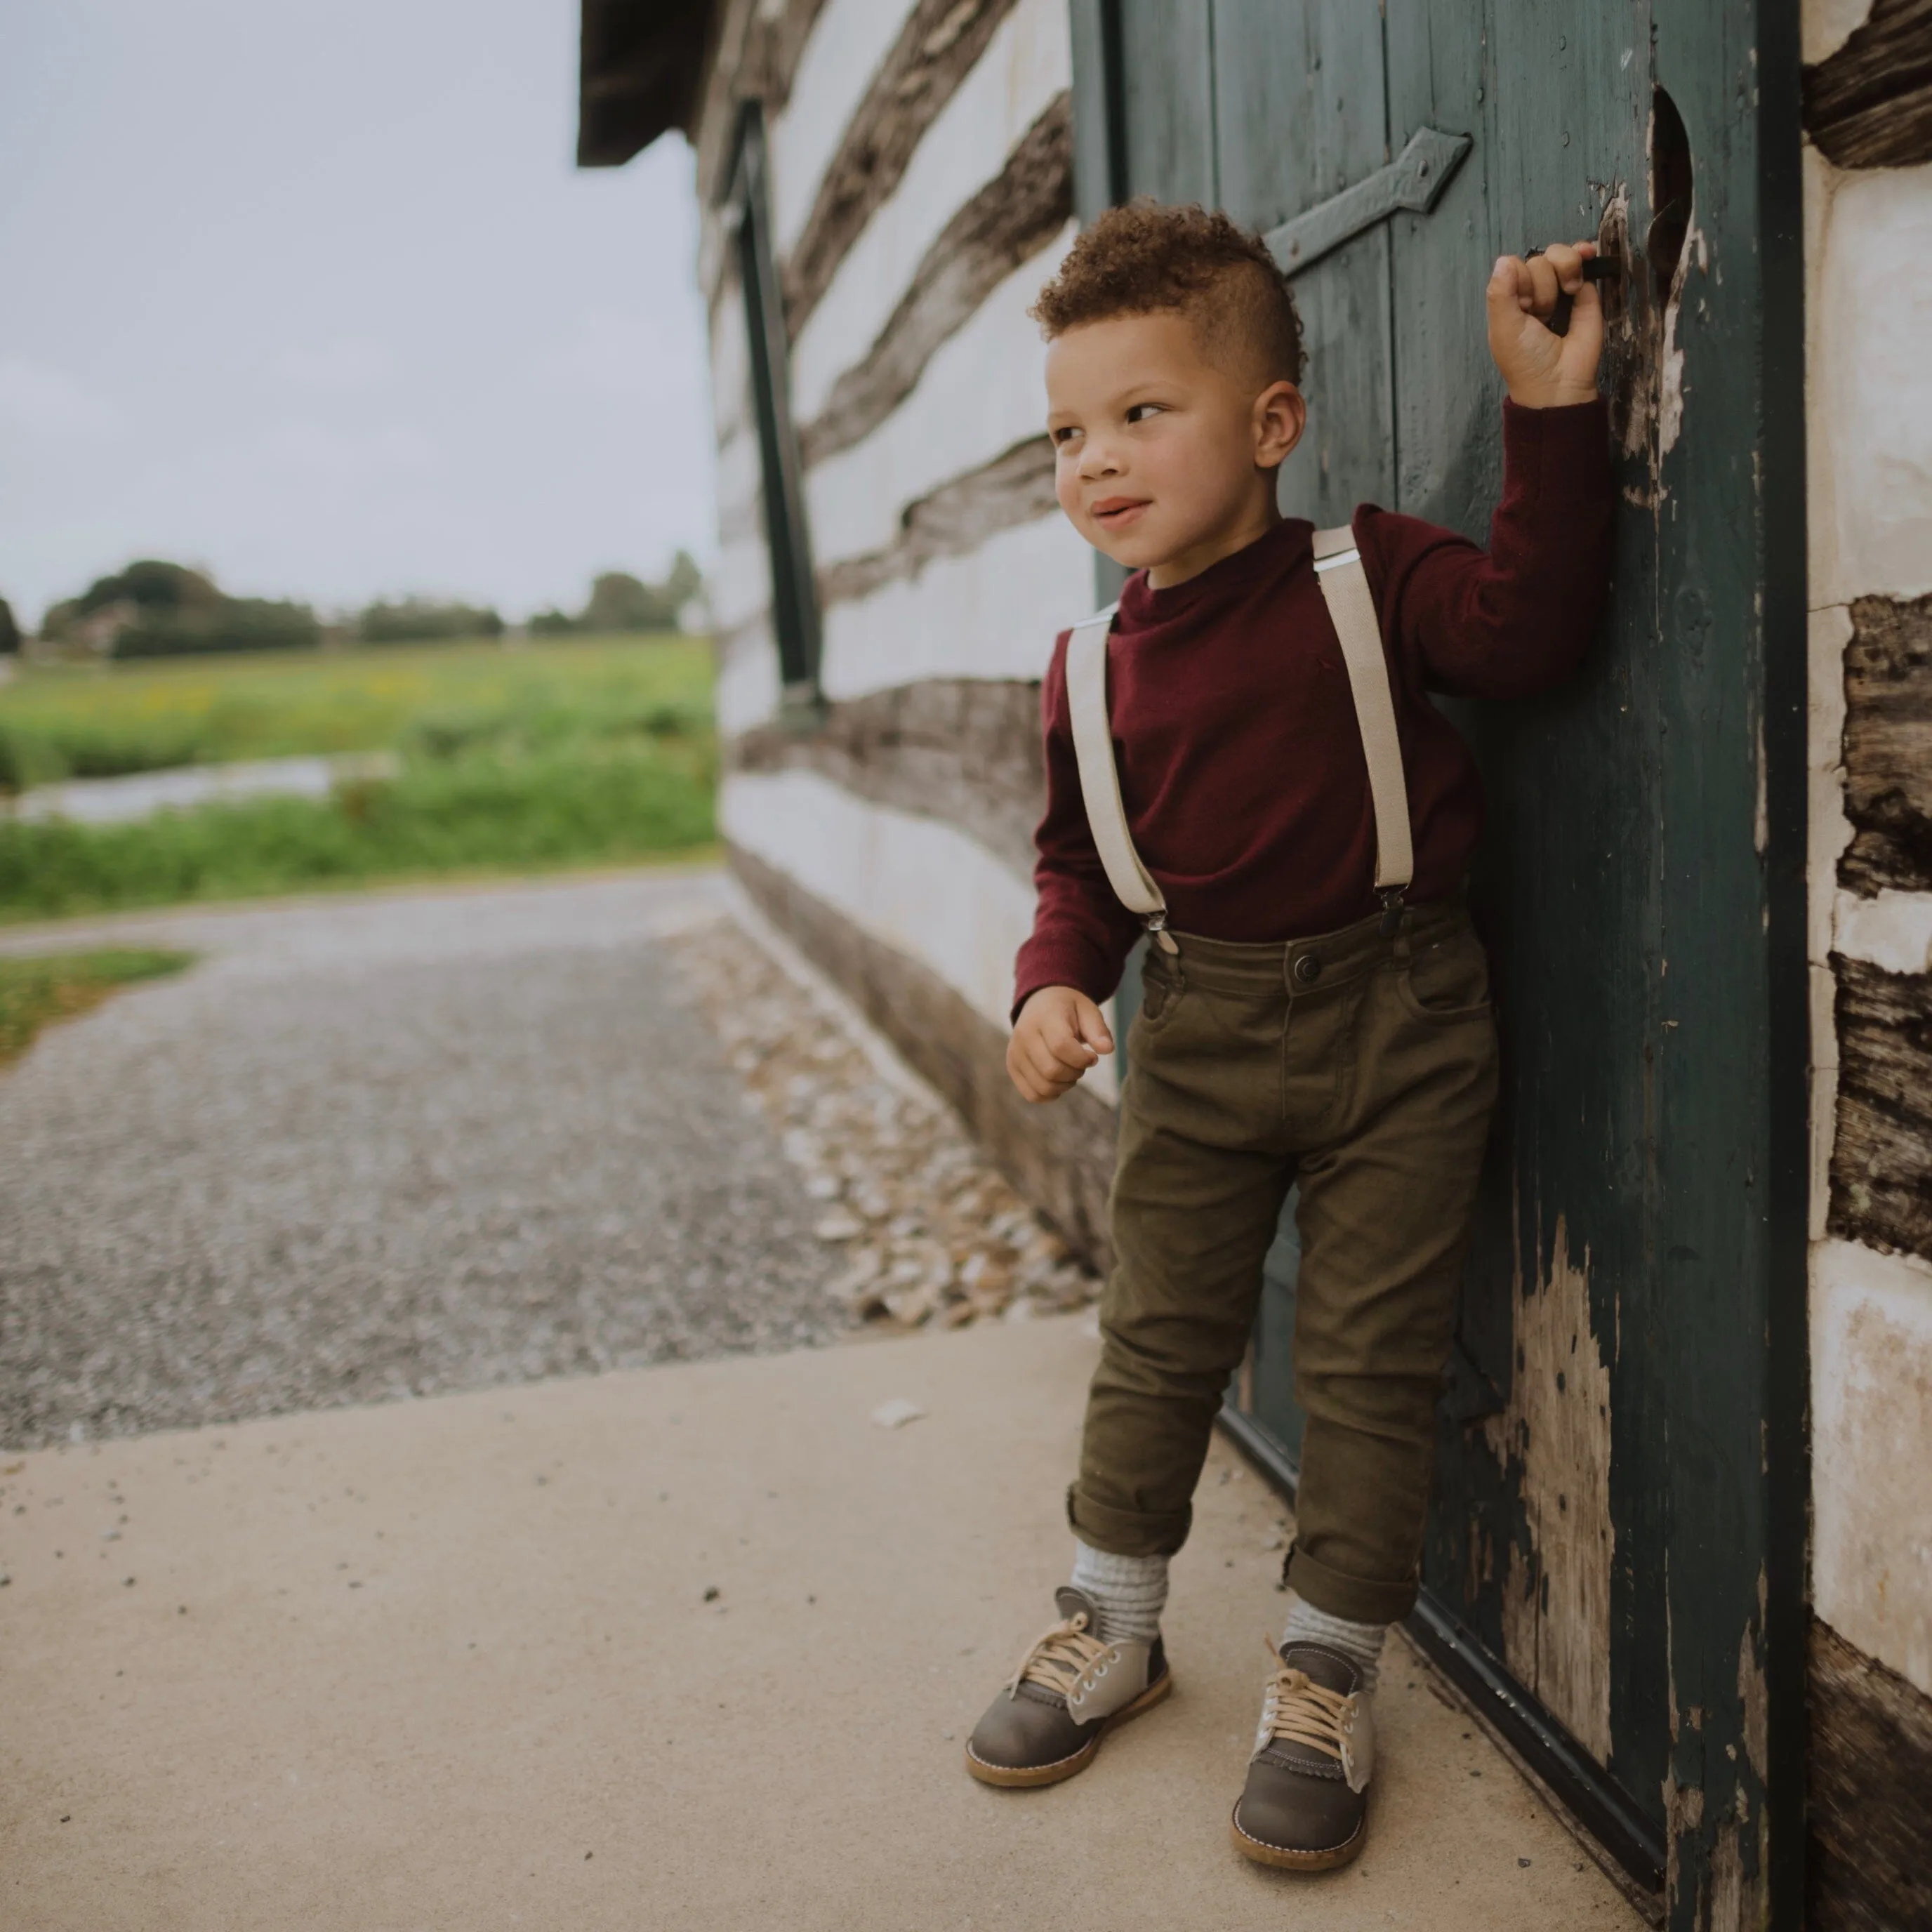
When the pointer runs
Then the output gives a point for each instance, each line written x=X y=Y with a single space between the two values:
x=1363 y=1065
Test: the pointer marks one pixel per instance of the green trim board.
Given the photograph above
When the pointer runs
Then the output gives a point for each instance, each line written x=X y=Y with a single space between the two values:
x=795 y=617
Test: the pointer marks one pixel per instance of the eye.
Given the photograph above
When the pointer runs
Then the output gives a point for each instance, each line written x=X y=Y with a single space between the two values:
x=1063 y=435
x=1142 y=411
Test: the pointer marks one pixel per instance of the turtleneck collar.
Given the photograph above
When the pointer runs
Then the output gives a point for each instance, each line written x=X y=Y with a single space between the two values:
x=1272 y=555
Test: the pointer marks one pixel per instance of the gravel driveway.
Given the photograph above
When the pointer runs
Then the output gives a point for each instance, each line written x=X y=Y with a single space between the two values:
x=382 y=1147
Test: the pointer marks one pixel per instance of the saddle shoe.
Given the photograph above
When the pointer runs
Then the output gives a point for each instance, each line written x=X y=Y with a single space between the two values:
x=1070 y=1690
x=1305 y=1806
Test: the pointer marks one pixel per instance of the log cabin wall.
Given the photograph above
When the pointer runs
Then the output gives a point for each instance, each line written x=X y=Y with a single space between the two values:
x=1868 y=213
x=920 y=193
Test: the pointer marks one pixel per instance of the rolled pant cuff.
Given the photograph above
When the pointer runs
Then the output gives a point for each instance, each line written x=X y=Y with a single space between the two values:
x=1125 y=1532
x=1359 y=1599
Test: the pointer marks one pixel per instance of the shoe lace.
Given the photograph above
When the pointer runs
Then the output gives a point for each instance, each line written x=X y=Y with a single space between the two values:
x=1055 y=1659
x=1303 y=1711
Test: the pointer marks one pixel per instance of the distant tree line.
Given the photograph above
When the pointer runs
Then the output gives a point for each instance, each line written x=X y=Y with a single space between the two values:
x=417 y=620
x=620 y=601
x=153 y=608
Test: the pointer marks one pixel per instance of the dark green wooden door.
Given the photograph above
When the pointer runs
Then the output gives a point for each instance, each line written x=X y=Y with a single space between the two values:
x=1613 y=1554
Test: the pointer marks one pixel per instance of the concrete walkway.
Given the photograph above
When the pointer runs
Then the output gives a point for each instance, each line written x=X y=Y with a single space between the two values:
x=686 y=1646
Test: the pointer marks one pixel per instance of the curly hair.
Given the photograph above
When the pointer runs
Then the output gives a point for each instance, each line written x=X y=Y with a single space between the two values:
x=1146 y=258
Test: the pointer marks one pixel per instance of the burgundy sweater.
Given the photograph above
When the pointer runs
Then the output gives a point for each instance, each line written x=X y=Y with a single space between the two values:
x=1240 y=760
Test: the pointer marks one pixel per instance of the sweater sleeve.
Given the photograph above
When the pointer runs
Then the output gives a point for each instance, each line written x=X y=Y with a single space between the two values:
x=1081 y=933
x=1517 y=618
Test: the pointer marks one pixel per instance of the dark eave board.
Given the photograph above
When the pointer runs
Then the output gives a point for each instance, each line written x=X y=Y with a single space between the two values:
x=638 y=74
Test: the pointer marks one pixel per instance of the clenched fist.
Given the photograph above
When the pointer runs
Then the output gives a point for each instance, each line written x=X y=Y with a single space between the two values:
x=1545 y=371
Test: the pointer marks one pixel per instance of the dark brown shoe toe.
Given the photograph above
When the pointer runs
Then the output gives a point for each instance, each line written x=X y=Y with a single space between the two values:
x=1028 y=1737
x=1297 y=1818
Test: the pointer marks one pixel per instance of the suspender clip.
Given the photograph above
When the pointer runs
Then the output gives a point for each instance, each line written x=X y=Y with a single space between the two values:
x=1392 y=910
x=1155 y=923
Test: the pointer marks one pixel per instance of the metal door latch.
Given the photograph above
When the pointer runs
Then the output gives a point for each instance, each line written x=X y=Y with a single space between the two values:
x=1597 y=268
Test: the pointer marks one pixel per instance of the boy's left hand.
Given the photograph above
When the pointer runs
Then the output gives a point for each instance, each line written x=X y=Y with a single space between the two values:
x=1544 y=370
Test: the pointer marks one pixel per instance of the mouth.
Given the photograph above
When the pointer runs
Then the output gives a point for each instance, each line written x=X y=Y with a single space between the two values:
x=1116 y=513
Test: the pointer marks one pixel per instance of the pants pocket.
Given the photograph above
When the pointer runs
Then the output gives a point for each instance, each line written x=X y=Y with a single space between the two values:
x=1446 y=979
x=1162 y=985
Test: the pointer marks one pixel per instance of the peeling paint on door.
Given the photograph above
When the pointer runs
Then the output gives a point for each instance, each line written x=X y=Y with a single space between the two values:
x=1556 y=1430
x=1751 y=1692
x=1729 y=1900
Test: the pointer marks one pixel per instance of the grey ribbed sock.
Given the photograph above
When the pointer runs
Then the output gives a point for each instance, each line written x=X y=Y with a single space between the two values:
x=1361 y=1644
x=1130 y=1592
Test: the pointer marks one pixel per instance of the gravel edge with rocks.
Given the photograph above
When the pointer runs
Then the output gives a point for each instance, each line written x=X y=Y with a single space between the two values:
x=934 y=1235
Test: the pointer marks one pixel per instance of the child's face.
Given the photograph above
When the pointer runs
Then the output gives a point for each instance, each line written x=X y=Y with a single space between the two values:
x=1166 y=459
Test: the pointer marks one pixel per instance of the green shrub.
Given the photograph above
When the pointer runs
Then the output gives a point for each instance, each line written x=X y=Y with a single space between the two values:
x=156 y=609
x=157 y=590
x=237 y=624
x=622 y=605
x=26 y=758
x=10 y=630
x=47 y=753
x=571 y=804
x=416 y=620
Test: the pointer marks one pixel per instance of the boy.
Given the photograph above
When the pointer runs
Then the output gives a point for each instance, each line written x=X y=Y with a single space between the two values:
x=1318 y=1008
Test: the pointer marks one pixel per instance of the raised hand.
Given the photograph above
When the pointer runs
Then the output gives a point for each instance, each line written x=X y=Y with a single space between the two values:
x=1544 y=370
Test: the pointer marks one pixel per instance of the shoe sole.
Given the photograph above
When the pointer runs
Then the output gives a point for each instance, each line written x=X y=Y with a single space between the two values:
x=1283 y=1859
x=1020 y=1778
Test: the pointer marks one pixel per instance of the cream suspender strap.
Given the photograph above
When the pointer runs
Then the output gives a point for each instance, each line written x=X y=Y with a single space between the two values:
x=1345 y=588
x=1100 y=779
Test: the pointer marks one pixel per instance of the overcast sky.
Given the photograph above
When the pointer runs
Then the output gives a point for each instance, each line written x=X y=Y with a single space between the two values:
x=308 y=292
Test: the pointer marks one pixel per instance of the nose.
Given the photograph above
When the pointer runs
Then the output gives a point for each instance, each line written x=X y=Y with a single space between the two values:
x=1096 y=459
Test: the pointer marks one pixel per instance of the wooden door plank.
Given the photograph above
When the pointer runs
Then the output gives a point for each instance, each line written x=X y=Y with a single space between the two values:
x=1542 y=1539
x=1300 y=116
x=1448 y=427
x=1623 y=884
x=1167 y=89
x=1727 y=1103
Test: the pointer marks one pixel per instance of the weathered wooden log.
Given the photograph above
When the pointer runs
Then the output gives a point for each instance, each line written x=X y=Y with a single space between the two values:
x=964 y=750
x=1882 y=1155
x=1008 y=221
x=1871 y=1793
x=1870 y=104
x=936 y=49
x=952 y=520
x=1888 y=746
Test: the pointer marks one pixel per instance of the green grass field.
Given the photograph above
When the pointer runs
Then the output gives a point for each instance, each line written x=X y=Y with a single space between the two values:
x=99 y=721
x=55 y=986
x=591 y=750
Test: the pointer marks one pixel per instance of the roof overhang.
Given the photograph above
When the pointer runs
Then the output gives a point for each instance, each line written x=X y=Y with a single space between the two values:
x=640 y=67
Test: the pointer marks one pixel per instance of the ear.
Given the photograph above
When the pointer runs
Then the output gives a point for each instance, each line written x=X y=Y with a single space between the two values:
x=1280 y=415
